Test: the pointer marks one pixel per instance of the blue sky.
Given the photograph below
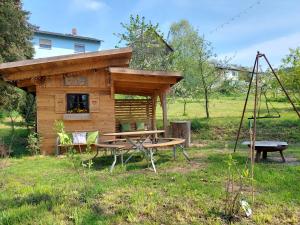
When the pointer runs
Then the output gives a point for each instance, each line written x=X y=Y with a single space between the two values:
x=271 y=26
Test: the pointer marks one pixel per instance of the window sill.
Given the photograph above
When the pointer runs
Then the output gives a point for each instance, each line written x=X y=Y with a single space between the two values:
x=44 y=48
x=77 y=116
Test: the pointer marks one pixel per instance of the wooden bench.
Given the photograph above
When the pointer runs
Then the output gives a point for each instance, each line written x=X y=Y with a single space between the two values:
x=117 y=150
x=164 y=143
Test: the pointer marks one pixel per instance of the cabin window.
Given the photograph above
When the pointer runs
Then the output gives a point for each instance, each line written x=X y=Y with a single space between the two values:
x=77 y=103
x=79 y=48
x=45 y=43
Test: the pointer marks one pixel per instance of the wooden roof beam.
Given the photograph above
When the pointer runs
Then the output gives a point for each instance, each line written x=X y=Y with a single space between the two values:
x=131 y=78
x=25 y=83
x=55 y=70
x=106 y=54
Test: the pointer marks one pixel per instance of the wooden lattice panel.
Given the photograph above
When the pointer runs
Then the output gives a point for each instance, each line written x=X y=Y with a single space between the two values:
x=132 y=111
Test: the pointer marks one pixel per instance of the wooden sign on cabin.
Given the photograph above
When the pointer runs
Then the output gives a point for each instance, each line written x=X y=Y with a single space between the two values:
x=94 y=102
x=60 y=103
x=75 y=80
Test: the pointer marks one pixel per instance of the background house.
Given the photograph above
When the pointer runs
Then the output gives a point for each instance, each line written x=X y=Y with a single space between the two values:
x=47 y=44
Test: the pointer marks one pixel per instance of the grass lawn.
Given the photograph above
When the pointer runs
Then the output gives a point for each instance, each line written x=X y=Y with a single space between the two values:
x=225 y=115
x=49 y=190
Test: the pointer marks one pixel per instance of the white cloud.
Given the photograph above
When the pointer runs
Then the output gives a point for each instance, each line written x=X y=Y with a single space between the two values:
x=90 y=5
x=275 y=50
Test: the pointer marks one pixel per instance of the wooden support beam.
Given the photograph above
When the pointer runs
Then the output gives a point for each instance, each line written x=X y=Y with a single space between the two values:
x=144 y=79
x=31 y=89
x=154 y=102
x=59 y=68
x=163 y=102
x=112 y=89
x=25 y=83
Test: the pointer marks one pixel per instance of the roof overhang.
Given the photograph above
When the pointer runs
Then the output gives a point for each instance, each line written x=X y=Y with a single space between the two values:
x=141 y=82
x=21 y=70
x=123 y=80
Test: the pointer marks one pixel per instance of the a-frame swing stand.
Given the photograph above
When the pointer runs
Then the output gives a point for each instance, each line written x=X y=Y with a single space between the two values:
x=255 y=74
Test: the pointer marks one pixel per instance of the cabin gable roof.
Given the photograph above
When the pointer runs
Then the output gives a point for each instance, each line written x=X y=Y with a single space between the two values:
x=20 y=70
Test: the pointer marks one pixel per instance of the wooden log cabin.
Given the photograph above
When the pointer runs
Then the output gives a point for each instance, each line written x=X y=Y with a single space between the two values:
x=80 y=89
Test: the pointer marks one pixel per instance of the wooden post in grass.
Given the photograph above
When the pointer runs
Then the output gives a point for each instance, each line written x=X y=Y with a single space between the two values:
x=182 y=129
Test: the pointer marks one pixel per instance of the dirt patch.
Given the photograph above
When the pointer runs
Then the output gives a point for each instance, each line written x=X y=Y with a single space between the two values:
x=4 y=163
x=235 y=187
x=189 y=167
x=289 y=160
x=198 y=145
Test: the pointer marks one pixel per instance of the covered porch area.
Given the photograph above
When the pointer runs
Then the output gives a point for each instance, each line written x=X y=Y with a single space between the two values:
x=143 y=91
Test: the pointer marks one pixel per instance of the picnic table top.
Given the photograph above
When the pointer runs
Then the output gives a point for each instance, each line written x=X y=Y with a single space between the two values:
x=134 y=133
x=267 y=143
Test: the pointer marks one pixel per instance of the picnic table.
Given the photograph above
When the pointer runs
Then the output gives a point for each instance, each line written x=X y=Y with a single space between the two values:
x=267 y=146
x=137 y=139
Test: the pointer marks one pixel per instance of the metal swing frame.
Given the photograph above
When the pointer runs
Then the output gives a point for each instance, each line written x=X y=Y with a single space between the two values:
x=255 y=74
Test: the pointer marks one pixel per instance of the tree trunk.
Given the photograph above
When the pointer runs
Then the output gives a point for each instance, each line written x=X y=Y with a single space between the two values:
x=12 y=124
x=184 y=108
x=206 y=103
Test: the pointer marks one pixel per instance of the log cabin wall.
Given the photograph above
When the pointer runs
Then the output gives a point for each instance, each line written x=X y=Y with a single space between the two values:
x=51 y=105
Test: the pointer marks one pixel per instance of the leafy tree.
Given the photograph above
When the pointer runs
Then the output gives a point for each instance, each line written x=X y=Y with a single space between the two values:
x=28 y=110
x=184 y=60
x=16 y=33
x=207 y=73
x=10 y=102
x=290 y=73
x=184 y=91
x=150 y=52
x=192 y=57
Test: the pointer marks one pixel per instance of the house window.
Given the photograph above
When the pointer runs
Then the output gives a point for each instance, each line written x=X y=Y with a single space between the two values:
x=79 y=47
x=45 y=43
x=77 y=103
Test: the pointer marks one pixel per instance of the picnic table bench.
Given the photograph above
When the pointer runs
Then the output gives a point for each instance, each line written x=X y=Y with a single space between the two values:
x=164 y=143
x=169 y=142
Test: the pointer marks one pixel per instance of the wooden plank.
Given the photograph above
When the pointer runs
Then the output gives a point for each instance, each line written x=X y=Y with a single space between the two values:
x=25 y=83
x=163 y=101
x=118 y=70
x=130 y=78
x=132 y=111
x=133 y=133
x=106 y=54
x=94 y=102
x=170 y=142
x=53 y=90
x=21 y=75
x=60 y=103
x=154 y=102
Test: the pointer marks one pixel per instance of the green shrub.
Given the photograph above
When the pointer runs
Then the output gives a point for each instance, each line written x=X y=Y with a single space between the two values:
x=196 y=125
x=34 y=143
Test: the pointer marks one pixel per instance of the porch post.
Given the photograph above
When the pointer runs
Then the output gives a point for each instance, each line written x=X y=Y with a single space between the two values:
x=163 y=101
x=154 y=102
